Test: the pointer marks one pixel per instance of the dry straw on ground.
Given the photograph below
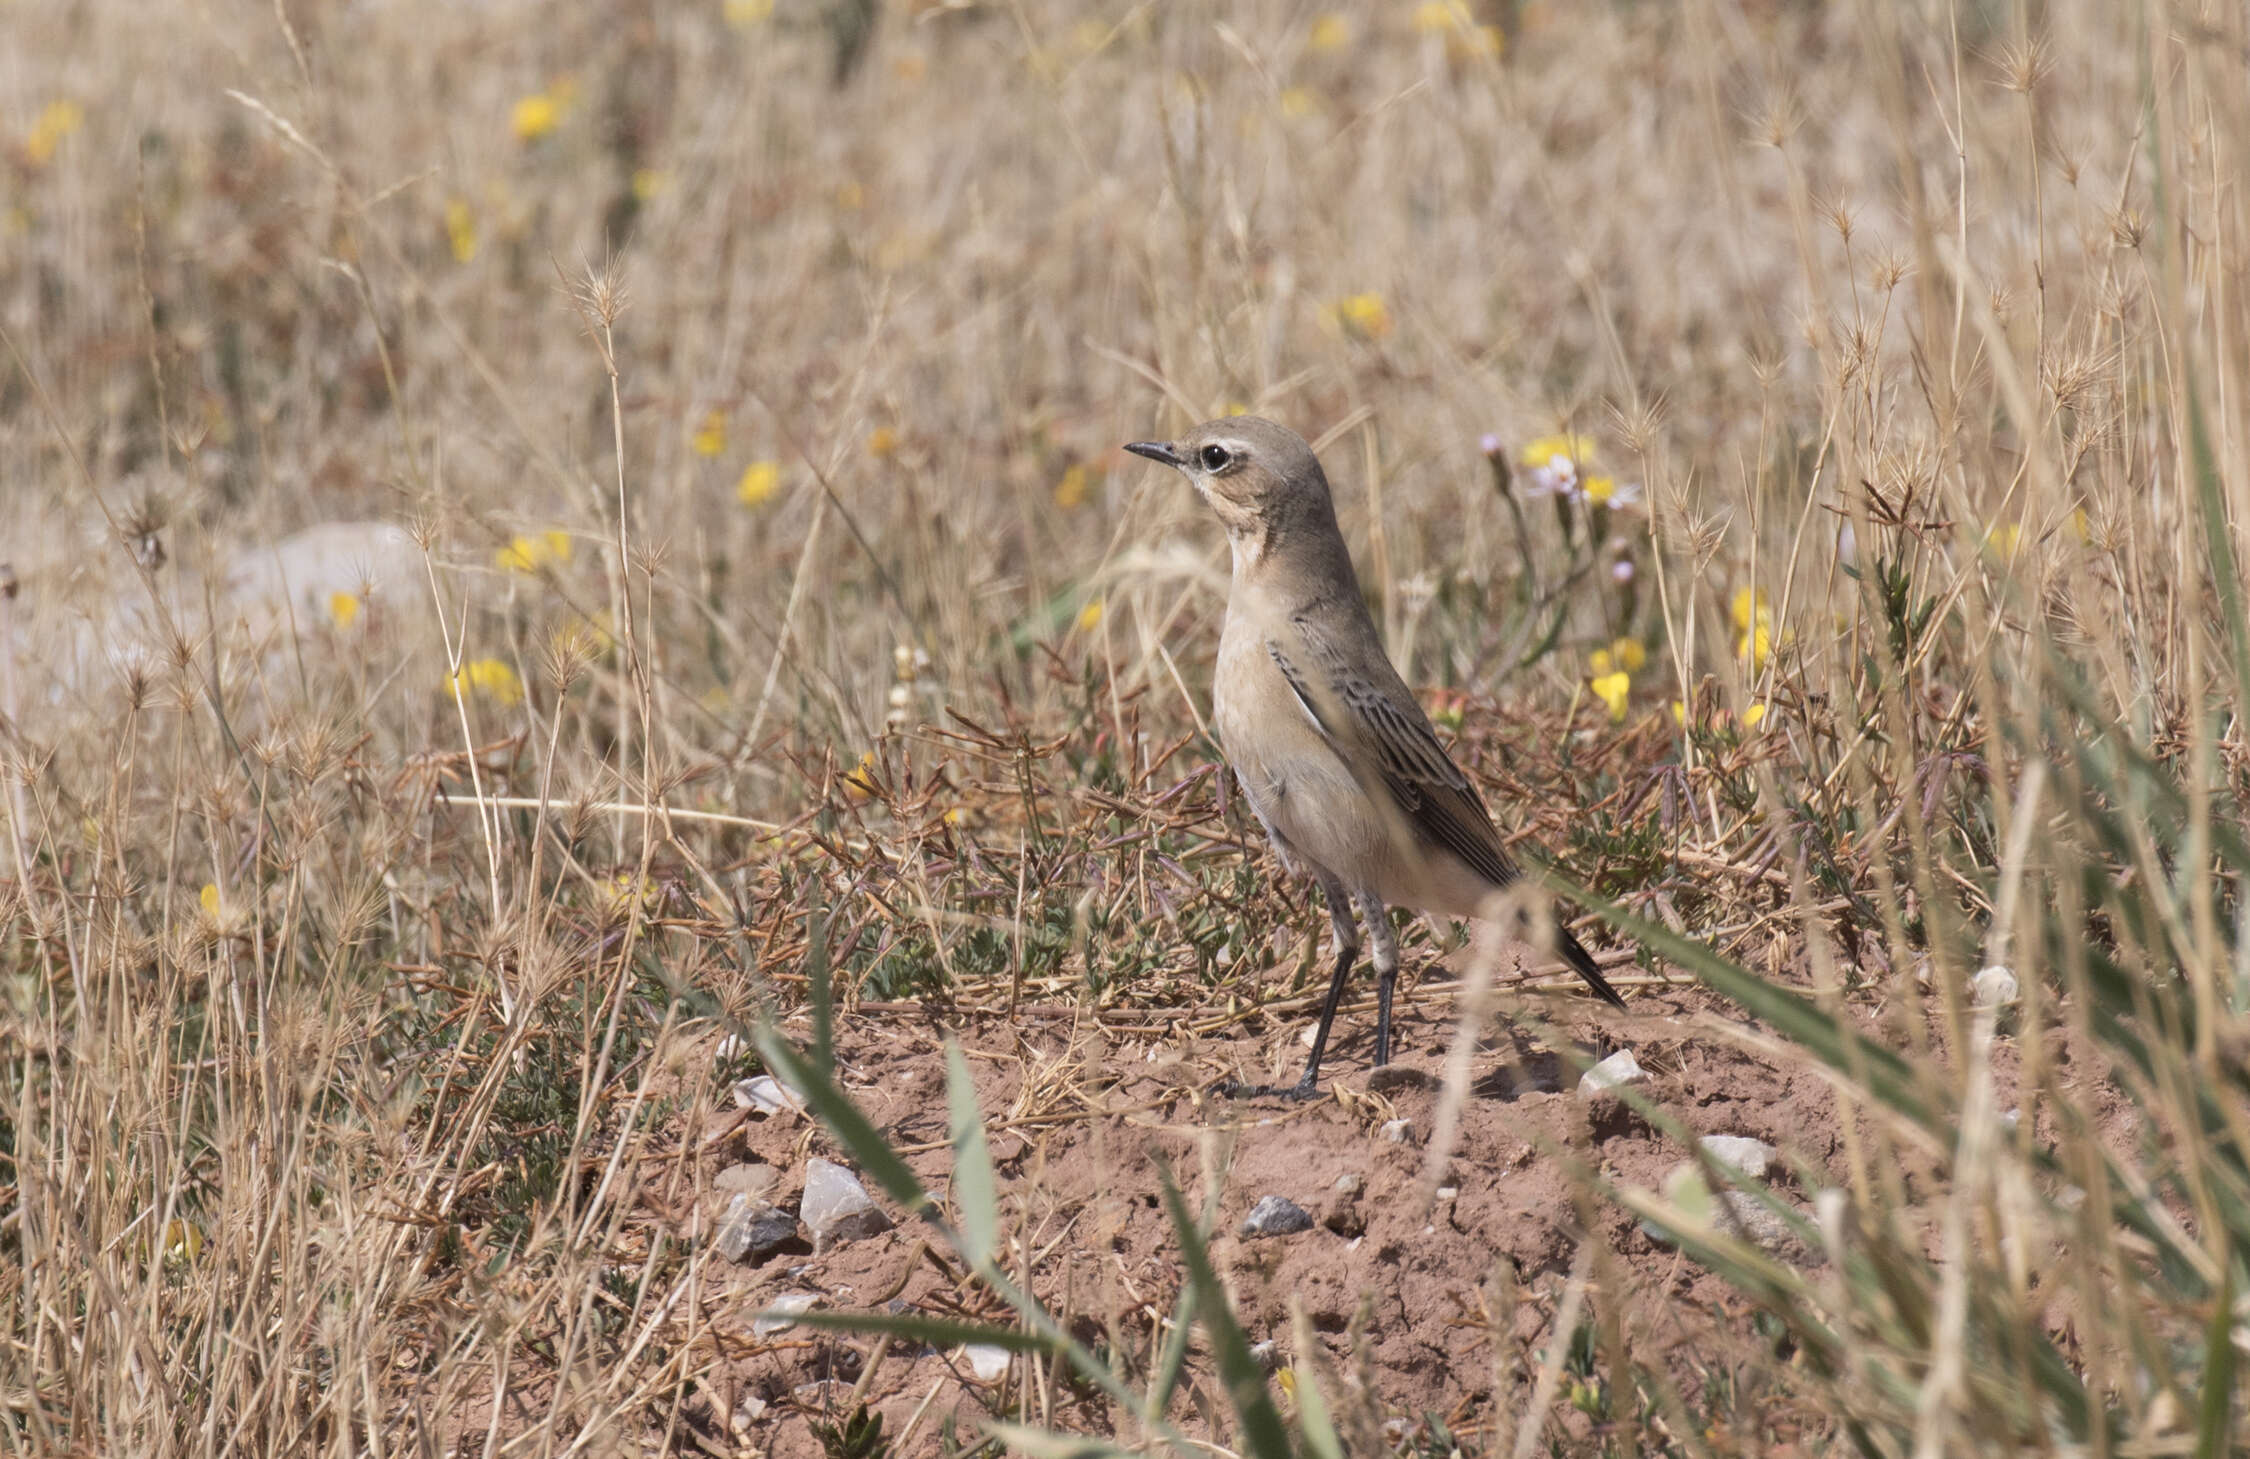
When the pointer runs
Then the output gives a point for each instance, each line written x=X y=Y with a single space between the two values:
x=1800 y=450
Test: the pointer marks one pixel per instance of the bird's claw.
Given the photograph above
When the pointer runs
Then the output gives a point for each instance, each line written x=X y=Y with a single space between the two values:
x=1302 y=1090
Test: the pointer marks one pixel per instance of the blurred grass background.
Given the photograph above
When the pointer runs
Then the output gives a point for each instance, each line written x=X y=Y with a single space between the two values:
x=738 y=389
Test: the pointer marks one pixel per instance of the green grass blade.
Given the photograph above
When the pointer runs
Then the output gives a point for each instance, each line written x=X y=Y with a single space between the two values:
x=1889 y=1078
x=820 y=990
x=851 y=1128
x=2215 y=1431
x=1314 y=1421
x=875 y=1156
x=936 y=1332
x=975 y=1191
x=1172 y=1361
x=2218 y=537
x=1041 y=1444
x=1262 y=1432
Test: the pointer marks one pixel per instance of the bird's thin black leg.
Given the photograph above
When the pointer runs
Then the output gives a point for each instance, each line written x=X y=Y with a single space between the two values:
x=1308 y=1086
x=1347 y=953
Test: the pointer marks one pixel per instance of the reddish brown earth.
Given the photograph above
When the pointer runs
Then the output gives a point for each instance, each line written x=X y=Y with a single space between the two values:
x=1081 y=1118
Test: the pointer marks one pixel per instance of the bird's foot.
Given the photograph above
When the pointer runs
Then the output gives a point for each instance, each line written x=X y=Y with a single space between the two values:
x=1302 y=1090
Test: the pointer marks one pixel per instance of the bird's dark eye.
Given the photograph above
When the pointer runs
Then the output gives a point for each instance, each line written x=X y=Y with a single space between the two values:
x=1215 y=458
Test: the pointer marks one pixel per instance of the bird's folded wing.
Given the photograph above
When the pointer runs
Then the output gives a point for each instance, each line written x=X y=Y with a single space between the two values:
x=1370 y=719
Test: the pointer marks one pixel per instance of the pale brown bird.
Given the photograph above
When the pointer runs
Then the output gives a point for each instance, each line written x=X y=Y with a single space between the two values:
x=1330 y=747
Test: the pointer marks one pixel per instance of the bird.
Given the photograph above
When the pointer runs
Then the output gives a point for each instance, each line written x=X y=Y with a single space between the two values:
x=1331 y=749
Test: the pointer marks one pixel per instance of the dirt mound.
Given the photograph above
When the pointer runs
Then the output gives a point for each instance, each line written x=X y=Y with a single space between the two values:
x=1396 y=1277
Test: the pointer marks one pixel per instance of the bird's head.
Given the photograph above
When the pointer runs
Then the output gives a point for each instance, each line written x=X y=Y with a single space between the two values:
x=1261 y=479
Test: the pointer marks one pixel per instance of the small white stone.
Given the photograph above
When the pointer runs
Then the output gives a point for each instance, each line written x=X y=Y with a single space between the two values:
x=1399 y=1132
x=1740 y=1154
x=731 y=1047
x=781 y=1314
x=768 y=1096
x=747 y=1412
x=1619 y=1068
x=836 y=1206
x=988 y=1364
x=1995 y=987
x=1449 y=1192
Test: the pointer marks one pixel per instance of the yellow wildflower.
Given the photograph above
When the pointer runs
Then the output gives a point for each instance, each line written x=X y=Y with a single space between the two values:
x=1070 y=492
x=625 y=887
x=742 y=14
x=1600 y=661
x=1477 y=40
x=1330 y=32
x=1630 y=654
x=2082 y=526
x=860 y=783
x=760 y=480
x=490 y=677
x=1752 y=612
x=1236 y=407
x=2002 y=539
x=1752 y=715
x=1612 y=690
x=209 y=900
x=649 y=182
x=1463 y=36
x=56 y=120
x=183 y=1240
x=710 y=438
x=1599 y=489
x=343 y=609
x=460 y=229
x=1435 y=16
x=534 y=116
x=1542 y=450
x=528 y=554
x=1298 y=102
x=1090 y=616
x=1362 y=314
x=1679 y=712
x=882 y=442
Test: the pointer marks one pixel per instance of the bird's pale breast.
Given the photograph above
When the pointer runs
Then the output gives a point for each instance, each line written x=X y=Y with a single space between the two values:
x=1302 y=791
x=1307 y=798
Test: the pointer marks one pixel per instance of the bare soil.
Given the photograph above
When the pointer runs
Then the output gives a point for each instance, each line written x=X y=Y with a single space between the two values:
x=1399 y=1289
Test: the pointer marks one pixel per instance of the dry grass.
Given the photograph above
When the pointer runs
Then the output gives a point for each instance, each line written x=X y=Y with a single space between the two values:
x=756 y=435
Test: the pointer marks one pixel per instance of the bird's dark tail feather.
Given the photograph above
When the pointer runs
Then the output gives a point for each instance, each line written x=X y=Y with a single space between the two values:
x=1574 y=952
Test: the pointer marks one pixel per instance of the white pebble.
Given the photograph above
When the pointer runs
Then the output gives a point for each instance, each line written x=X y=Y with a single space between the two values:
x=1619 y=1068
x=1740 y=1153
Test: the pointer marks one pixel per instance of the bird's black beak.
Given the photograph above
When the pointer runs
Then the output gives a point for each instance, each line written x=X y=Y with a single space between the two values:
x=1162 y=451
